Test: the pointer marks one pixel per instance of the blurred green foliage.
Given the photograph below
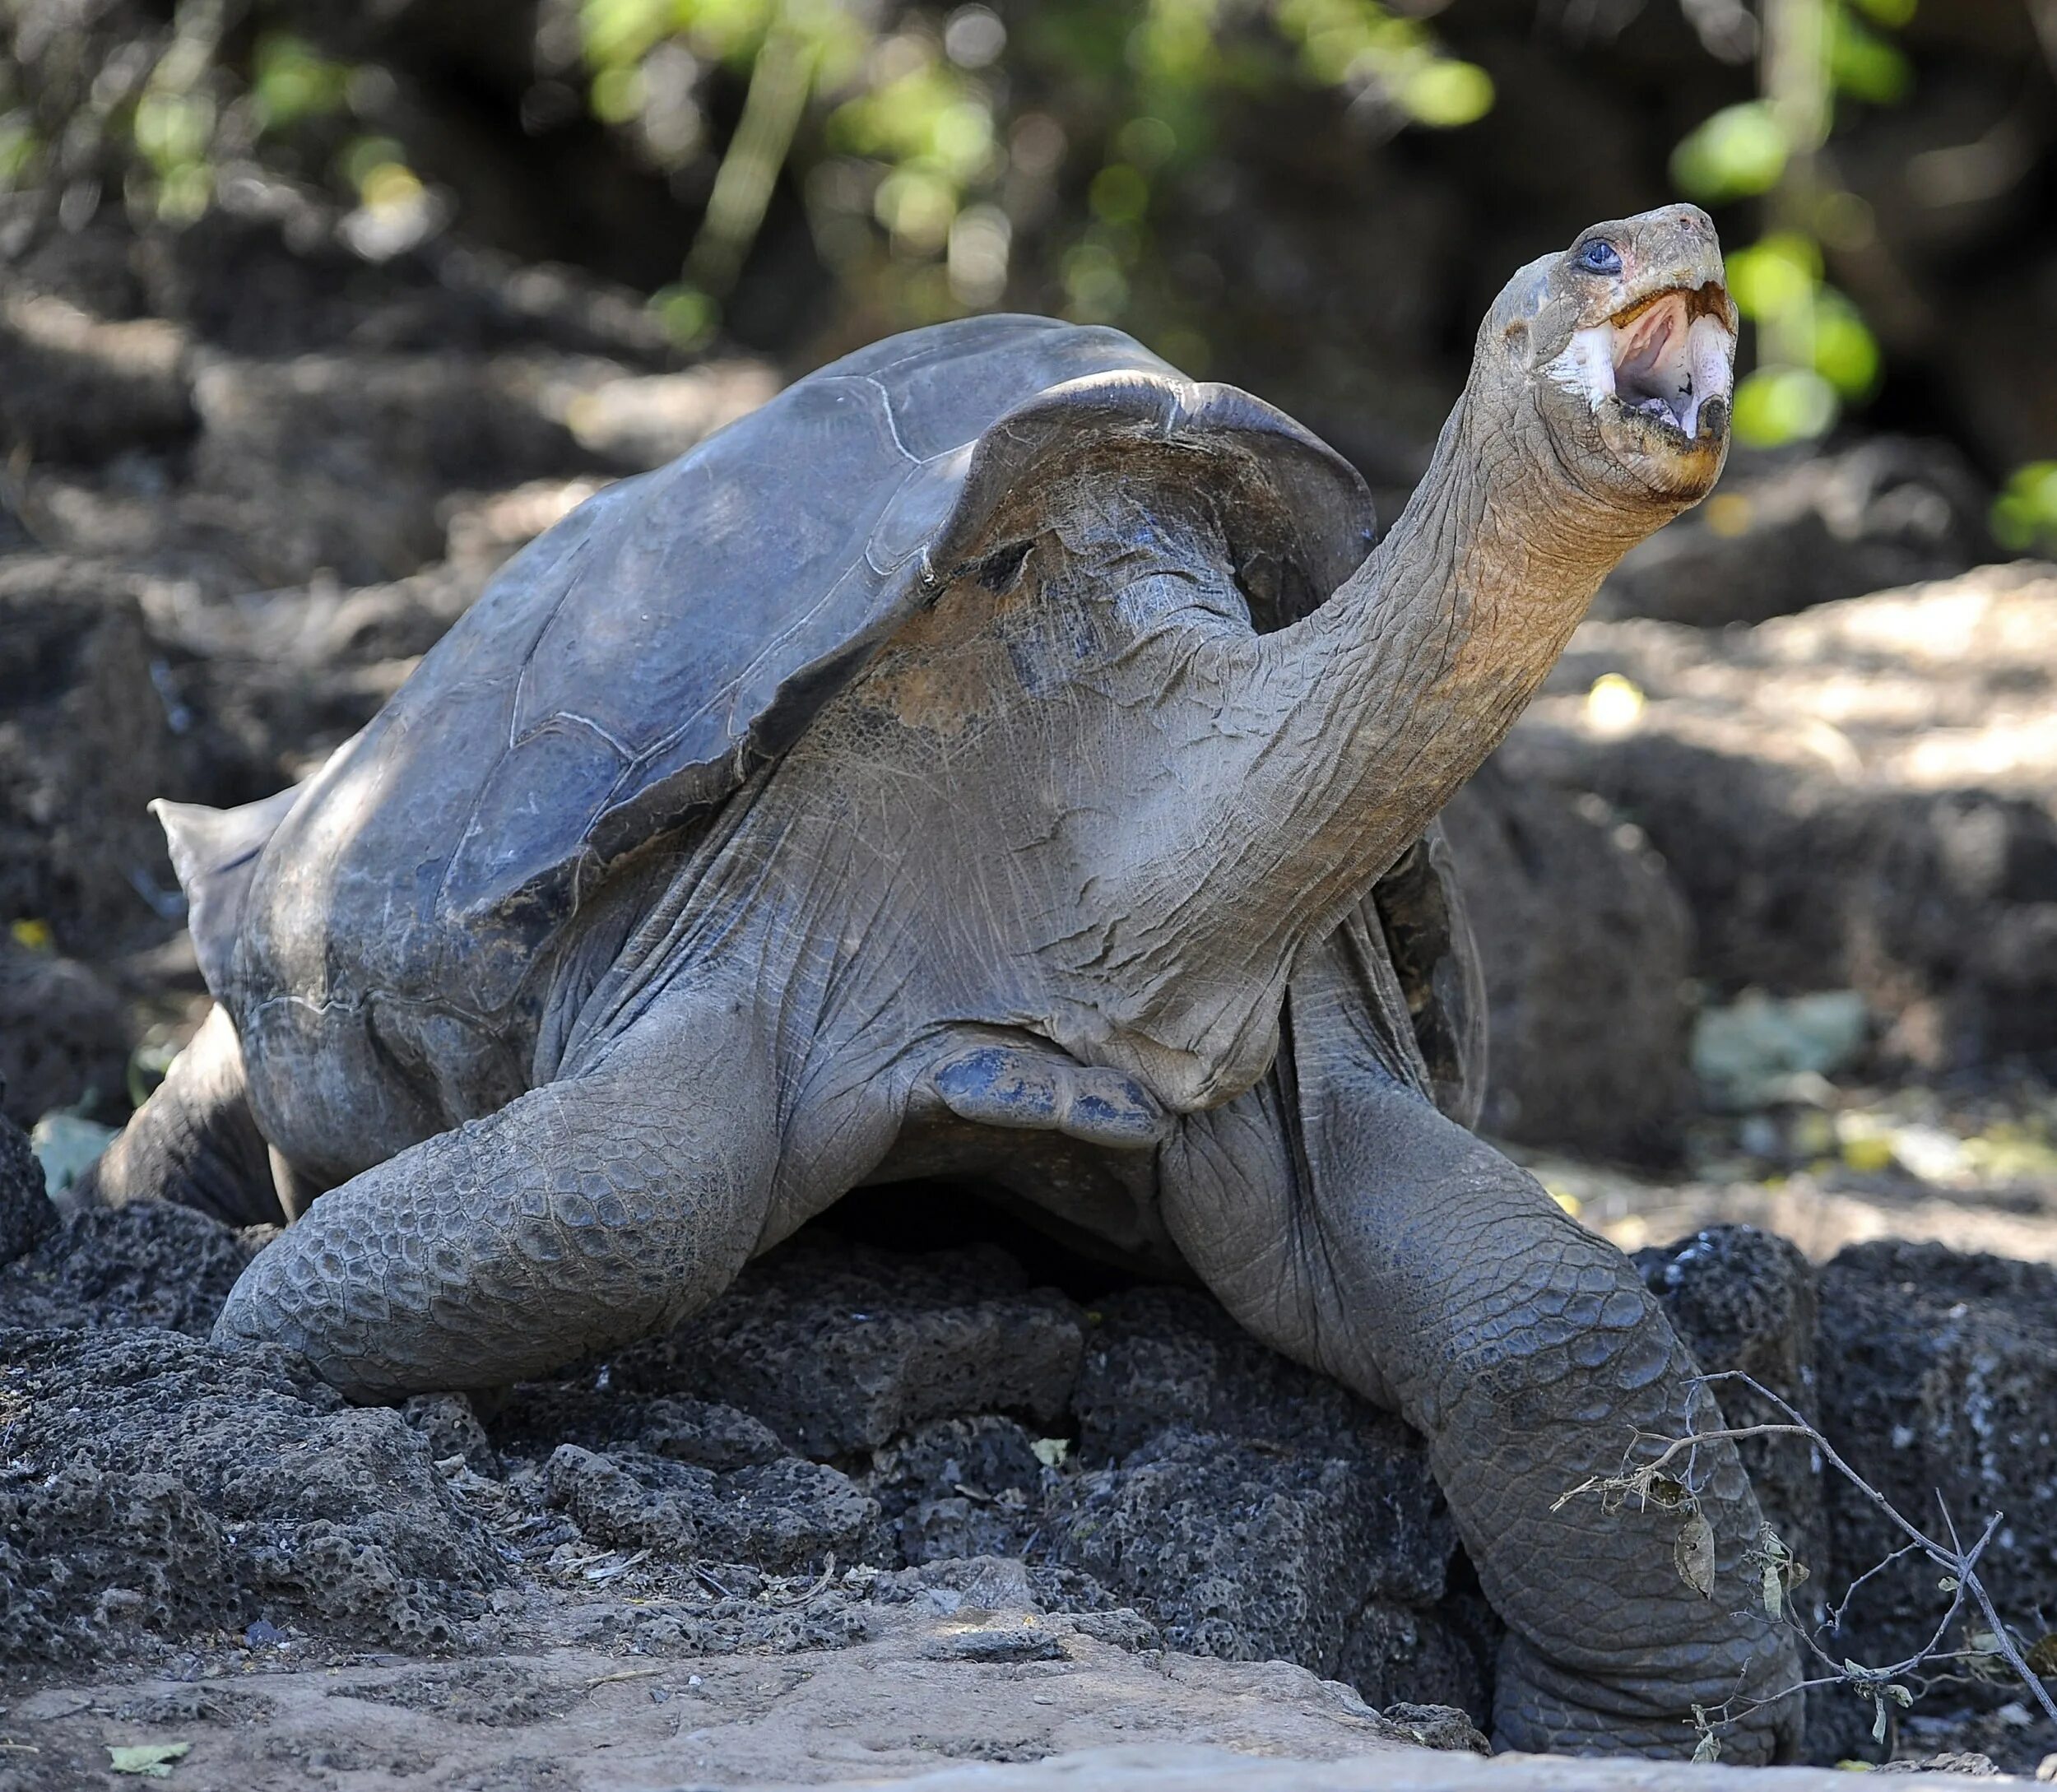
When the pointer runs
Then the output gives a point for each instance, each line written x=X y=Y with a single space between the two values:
x=949 y=159
x=924 y=141
x=2024 y=518
x=1815 y=353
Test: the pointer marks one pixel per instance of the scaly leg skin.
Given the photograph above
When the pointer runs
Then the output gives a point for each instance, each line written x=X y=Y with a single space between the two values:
x=598 y=1208
x=193 y=1142
x=1399 y=1253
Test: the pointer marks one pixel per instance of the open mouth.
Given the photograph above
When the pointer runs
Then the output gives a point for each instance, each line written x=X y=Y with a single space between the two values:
x=1665 y=356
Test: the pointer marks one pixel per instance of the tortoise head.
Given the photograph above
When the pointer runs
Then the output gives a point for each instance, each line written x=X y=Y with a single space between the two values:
x=1624 y=346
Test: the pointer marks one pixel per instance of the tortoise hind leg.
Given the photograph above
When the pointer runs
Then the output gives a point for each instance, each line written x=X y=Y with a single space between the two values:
x=193 y=1142
x=1348 y=1223
x=592 y=1210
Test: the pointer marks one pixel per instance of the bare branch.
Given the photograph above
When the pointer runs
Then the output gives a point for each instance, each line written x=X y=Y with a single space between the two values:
x=1882 y=1685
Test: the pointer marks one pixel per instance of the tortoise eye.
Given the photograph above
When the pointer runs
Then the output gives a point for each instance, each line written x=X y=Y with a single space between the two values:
x=1599 y=256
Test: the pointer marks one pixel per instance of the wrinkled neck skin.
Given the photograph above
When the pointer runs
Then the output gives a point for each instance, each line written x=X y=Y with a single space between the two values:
x=1098 y=807
x=1390 y=695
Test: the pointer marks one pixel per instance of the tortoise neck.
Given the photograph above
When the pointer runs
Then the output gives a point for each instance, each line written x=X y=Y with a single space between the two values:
x=1393 y=693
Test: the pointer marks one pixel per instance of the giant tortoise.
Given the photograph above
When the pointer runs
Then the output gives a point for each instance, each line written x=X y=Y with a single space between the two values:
x=998 y=754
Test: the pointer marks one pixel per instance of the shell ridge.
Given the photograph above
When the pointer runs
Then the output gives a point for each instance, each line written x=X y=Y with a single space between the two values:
x=892 y=417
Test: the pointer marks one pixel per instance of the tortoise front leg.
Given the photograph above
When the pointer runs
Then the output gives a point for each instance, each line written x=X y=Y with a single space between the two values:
x=193 y=1142
x=1400 y=1253
x=593 y=1210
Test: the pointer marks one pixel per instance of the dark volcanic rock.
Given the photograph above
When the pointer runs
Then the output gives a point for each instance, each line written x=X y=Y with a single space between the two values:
x=1250 y=1507
x=542 y=1414
x=1235 y=1549
x=1744 y=1301
x=87 y=740
x=1856 y=797
x=1397 y=1656
x=79 y=388
x=153 y=1482
x=1940 y=1381
x=776 y=1515
x=26 y=1216
x=64 y=1040
x=840 y=1348
x=1586 y=945
x=963 y=1487
x=150 y=1264
x=1793 y=529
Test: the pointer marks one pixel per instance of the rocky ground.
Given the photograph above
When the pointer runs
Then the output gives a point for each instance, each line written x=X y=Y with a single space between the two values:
x=1769 y=905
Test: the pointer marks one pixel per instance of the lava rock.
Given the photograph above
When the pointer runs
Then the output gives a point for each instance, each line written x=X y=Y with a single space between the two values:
x=540 y=1415
x=1236 y=1549
x=1939 y=1382
x=1794 y=529
x=1823 y=843
x=1251 y=1507
x=63 y=1038
x=1438 y=1726
x=961 y=1487
x=776 y=1515
x=149 y=1264
x=450 y=1426
x=1745 y=1301
x=152 y=1481
x=1394 y=1654
x=87 y=739
x=1586 y=945
x=841 y=1349
x=26 y=1216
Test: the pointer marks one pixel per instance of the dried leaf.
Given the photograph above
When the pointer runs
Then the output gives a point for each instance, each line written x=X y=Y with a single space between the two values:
x=1774 y=1593
x=2042 y=1657
x=1878 y=1724
x=1707 y=1749
x=1667 y=1492
x=151 y=1761
x=1693 y=1555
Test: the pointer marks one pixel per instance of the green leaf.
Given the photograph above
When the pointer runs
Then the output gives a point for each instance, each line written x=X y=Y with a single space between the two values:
x=1775 y=277
x=290 y=80
x=1846 y=352
x=1864 y=65
x=2025 y=514
x=1445 y=94
x=1739 y=151
x=1777 y=405
x=151 y=1761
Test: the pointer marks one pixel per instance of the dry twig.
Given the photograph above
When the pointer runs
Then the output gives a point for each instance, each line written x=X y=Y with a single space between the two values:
x=1649 y=1483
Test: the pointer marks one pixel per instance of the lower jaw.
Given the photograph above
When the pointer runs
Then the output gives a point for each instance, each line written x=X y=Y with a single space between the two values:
x=1664 y=457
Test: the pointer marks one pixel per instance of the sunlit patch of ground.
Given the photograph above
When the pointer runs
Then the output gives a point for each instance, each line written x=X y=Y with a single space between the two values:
x=1975 y=1171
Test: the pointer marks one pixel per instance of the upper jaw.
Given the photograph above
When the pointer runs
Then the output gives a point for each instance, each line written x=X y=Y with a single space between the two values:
x=1665 y=355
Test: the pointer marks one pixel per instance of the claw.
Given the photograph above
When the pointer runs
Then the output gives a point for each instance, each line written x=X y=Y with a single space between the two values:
x=1038 y=1088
